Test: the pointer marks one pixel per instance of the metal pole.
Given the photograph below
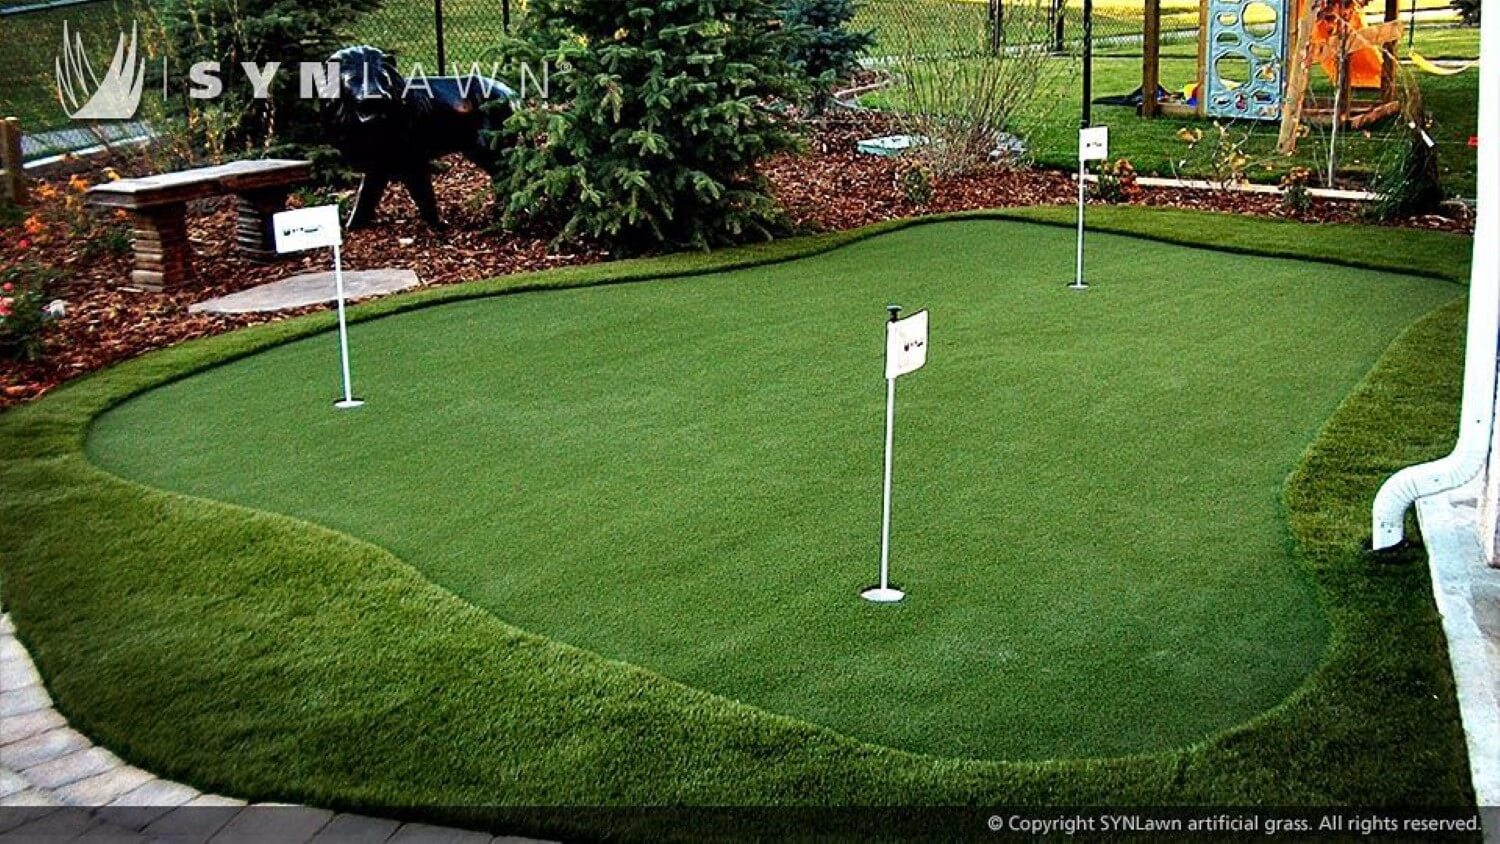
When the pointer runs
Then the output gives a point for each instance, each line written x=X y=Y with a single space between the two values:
x=505 y=16
x=885 y=523
x=884 y=594
x=349 y=401
x=997 y=25
x=1088 y=63
x=1411 y=29
x=1059 y=17
x=1078 y=282
x=442 y=45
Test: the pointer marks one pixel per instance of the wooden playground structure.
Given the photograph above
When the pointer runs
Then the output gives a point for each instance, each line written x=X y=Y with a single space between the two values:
x=1252 y=40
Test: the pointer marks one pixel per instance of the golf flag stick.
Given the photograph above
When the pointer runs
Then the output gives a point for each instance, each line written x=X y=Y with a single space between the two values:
x=905 y=351
x=349 y=401
x=319 y=228
x=1093 y=145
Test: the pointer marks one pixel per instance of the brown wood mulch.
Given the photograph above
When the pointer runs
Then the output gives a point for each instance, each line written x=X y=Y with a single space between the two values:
x=829 y=187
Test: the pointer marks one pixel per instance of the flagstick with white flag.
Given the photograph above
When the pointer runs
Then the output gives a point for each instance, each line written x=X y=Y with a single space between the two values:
x=1093 y=145
x=319 y=228
x=905 y=351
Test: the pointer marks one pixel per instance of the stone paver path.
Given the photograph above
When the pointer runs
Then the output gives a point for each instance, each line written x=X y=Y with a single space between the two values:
x=57 y=786
x=300 y=291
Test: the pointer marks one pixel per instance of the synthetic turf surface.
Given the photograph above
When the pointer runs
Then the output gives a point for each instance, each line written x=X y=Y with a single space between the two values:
x=684 y=474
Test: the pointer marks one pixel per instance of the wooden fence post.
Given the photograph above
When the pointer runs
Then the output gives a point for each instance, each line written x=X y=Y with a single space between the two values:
x=1300 y=59
x=12 y=166
x=1151 y=60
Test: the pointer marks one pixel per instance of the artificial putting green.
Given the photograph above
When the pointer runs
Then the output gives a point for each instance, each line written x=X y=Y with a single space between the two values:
x=684 y=475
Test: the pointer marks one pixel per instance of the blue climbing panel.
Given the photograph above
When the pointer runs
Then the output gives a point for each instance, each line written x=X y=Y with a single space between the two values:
x=1246 y=70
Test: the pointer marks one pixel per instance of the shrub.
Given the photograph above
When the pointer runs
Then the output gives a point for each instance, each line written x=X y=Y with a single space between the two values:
x=916 y=185
x=61 y=214
x=259 y=31
x=967 y=94
x=1468 y=10
x=1295 y=199
x=1117 y=182
x=1408 y=180
x=826 y=49
x=653 y=134
x=24 y=293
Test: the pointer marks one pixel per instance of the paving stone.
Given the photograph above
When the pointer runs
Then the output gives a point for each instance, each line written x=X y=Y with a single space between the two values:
x=103 y=832
x=10 y=648
x=420 y=833
x=14 y=816
x=53 y=744
x=309 y=289
x=30 y=797
x=356 y=829
x=6 y=625
x=22 y=727
x=101 y=789
x=289 y=824
x=11 y=782
x=21 y=701
x=56 y=825
x=72 y=768
x=516 y=839
x=214 y=801
x=191 y=823
x=132 y=817
x=18 y=674
x=158 y=793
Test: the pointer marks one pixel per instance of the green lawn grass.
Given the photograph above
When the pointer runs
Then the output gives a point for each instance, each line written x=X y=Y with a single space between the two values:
x=1050 y=124
x=262 y=656
x=683 y=475
x=474 y=28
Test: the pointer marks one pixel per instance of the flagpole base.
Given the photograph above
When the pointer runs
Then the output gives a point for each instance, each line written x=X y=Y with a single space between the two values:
x=1079 y=286
x=882 y=596
x=349 y=404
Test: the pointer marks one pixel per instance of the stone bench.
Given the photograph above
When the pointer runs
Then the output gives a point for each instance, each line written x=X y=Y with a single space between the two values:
x=158 y=209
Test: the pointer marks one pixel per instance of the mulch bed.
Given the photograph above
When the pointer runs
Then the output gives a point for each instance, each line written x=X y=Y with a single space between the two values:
x=830 y=187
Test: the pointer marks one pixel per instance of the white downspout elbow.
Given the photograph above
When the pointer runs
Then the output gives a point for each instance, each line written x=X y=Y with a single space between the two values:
x=1478 y=413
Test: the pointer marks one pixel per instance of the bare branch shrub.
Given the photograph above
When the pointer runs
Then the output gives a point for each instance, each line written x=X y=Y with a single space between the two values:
x=970 y=84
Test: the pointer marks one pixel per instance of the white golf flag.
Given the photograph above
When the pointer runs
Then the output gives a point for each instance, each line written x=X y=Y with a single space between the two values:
x=1093 y=144
x=307 y=228
x=906 y=345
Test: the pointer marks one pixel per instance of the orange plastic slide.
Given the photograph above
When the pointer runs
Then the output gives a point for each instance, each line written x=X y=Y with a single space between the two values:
x=1364 y=63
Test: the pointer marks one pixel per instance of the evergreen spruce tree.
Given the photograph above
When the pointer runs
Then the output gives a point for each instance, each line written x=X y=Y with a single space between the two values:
x=828 y=49
x=658 y=112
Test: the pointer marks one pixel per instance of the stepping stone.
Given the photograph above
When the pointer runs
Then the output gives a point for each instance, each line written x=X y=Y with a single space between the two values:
x=302 y=291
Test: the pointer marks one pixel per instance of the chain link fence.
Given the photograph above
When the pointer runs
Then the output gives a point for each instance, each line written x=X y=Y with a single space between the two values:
x=437 y=35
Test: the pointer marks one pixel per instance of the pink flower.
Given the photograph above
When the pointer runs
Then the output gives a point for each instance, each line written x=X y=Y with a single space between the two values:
x=23 y=243
x=7 y=287
x=5 y=307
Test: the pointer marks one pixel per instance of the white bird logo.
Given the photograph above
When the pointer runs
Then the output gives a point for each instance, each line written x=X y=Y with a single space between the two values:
x=115 y=97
